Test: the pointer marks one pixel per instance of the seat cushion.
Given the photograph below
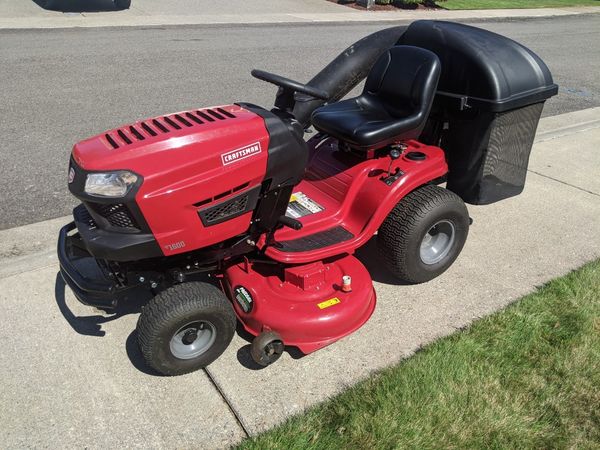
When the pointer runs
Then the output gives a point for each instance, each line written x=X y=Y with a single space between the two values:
x=361 y=124
x=394 y=104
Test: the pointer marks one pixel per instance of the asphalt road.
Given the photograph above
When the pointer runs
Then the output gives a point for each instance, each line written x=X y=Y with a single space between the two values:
x=60 y=86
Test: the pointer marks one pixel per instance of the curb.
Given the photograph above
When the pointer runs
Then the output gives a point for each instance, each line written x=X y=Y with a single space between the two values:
x=567 y=124
x=129 y=19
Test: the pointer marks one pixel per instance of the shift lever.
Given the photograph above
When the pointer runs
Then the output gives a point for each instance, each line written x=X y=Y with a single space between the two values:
x=395 y=153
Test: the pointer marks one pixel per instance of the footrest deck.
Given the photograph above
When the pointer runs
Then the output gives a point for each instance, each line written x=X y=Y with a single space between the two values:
x=315 y=241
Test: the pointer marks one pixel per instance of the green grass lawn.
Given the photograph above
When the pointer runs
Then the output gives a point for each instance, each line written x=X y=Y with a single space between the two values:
x=501 y=4
x=525 y=377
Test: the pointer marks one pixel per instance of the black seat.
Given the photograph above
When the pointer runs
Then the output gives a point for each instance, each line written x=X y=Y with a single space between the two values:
x=394 y=104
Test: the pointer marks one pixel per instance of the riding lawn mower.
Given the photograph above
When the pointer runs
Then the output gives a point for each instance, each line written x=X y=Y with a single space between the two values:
x=229 y=215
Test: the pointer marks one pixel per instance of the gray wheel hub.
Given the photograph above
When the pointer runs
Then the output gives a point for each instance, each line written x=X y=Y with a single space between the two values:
x=437 y=242
x=193 y=339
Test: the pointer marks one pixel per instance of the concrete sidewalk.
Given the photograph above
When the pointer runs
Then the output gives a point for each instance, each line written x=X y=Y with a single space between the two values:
x=72 y=377
x=19 y=14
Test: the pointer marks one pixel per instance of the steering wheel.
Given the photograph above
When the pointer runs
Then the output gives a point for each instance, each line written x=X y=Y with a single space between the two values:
x=292 y=85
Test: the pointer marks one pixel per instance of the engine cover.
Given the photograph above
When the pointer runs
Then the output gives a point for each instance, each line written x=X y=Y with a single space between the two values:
x=202 y=171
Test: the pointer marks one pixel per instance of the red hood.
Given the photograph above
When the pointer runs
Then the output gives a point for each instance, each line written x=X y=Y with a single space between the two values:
x=148 y=146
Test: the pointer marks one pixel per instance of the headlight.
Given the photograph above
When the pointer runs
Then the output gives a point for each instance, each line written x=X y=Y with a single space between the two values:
x=113 y=184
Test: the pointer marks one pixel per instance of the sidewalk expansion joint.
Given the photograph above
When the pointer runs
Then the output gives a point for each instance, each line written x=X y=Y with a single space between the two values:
x=564 y=182
x=228 y=402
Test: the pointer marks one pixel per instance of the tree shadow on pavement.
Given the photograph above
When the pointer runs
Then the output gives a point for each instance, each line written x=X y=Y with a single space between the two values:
x=79 y=6
x=92 y=325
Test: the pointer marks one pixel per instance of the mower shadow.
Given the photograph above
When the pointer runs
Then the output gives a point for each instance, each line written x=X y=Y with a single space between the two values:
x=368 y=254
x=92 y=325
x=77 y=6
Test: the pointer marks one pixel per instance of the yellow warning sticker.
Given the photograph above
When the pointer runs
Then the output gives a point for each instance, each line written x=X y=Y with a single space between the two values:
x=301 y=205
x=328 y=303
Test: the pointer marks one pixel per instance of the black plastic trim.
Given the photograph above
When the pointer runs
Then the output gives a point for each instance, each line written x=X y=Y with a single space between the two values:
x=77 y=188
x=288 y=153
x=114 y=246
x=88 y=290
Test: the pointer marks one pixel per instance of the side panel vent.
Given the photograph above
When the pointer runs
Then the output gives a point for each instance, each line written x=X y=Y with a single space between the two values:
x=231 y=208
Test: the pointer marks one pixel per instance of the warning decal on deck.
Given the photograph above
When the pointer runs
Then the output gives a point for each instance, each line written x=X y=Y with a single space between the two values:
x=244 y=298
x=301 y=205
x=328 y=303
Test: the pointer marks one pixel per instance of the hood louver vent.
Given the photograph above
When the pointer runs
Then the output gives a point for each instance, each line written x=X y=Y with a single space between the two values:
x=161 y=125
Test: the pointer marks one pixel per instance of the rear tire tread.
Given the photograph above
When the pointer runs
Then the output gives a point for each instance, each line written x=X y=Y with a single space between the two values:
x=399 y=227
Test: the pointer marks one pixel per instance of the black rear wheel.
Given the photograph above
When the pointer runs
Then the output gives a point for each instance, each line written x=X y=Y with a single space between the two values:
x=424 y=234
x=185 y=328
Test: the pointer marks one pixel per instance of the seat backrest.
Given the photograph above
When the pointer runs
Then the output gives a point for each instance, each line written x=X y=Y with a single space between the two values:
x=403 y=81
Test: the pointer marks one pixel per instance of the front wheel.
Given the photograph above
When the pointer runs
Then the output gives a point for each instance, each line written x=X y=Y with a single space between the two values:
x=185 y=328
x=424 y=234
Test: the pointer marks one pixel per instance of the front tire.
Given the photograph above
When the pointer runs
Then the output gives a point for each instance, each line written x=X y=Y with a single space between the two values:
x=424 y=234
x=185 y=328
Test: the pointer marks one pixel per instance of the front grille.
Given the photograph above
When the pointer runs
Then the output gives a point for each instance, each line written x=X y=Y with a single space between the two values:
x=231 y=208
x=226 y=209
x=116 y=215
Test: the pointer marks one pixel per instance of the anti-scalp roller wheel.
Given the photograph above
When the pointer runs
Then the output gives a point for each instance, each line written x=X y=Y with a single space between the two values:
x=266 y=348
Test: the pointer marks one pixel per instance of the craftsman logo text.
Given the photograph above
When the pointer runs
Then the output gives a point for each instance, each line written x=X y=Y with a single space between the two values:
x=240 y=153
